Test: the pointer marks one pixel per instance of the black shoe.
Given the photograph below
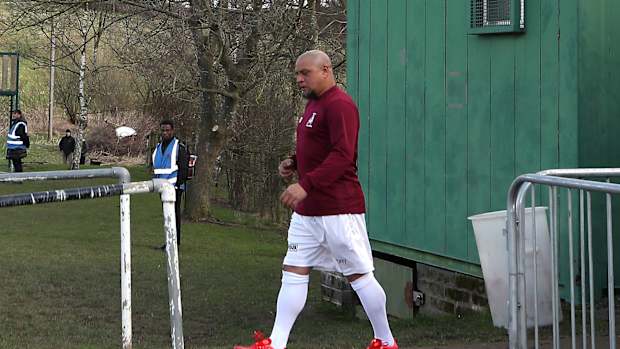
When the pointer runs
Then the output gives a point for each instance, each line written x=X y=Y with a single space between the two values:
x=163 y=247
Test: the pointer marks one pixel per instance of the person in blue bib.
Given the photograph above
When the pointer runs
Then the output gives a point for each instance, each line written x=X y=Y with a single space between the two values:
x=170 y=162
x=17 y=141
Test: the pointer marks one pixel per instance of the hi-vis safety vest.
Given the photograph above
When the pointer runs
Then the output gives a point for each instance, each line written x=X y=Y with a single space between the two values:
x=165 y=163
x=14 y=141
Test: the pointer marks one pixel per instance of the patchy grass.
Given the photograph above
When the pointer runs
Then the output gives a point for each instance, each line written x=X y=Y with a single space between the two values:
x=42 y=155
x=60 y=288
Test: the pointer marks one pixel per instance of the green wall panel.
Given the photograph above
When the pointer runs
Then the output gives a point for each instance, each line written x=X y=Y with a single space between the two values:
x=449 y=119
x=353 y=83
x=361 y=58
x=478 y=132
x=502 y=118
x=567 y=125
x=456 y=131
x=528 y=93
x=395 y=119
x=414 y=137
x=599 y=107
x=592 y=121
x=377 y=202
x=549 y=67
x=435 y=127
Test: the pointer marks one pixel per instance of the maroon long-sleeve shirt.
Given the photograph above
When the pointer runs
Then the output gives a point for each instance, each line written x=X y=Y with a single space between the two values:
x=326 y=156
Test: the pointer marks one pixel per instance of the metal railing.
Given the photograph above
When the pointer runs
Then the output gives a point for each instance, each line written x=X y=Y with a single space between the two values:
x=123 y=189
x=518 y=239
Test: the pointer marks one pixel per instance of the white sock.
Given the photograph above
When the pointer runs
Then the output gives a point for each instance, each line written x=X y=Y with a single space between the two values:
x=373 y=299
x=291 y=301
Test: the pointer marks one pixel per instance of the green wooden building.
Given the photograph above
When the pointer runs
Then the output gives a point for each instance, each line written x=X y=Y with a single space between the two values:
x=458 y=97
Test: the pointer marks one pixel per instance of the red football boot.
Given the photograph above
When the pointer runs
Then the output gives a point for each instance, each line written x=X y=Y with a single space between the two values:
x=378 y=344
x=260 y=342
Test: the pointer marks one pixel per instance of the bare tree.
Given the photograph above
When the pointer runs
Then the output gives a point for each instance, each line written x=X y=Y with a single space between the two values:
x=238 y=44
x=89 y=21
x=226 y=71
x=78 y=30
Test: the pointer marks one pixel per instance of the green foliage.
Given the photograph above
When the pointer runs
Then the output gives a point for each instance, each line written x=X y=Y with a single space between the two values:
x=33 y=86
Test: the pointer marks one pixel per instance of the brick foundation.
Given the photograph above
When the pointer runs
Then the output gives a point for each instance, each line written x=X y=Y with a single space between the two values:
x=448 y=292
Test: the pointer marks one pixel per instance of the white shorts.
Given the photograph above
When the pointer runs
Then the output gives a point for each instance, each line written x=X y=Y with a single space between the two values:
x=330 y=243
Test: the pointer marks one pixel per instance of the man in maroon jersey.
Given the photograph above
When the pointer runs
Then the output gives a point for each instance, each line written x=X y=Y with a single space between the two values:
x=328 y=228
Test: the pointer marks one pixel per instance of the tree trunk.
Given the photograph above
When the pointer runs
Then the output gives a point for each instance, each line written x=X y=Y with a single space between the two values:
x=209 y=144
x=213 y=133
x=208 y=148
x=238 y=197
x=314 y=25
x=82 y=118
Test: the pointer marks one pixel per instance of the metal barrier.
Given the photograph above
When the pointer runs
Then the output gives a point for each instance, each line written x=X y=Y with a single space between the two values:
x=516 y=228
x=124 y=189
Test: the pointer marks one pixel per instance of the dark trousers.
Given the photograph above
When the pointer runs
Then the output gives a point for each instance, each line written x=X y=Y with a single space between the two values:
x=177 y=214
x=17 y=165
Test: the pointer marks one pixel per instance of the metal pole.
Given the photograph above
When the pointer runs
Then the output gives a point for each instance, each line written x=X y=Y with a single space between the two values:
x=554 y=276
x=126 y=326
x=9 y=161
x=124 y=177
x=515 y=199
x=50 y=123
x=11 y=169
x=17 y=85
x=572 y=271
x=582 y=245
x=610 y=276
x=60 y=195
x=522 y=299
x=513 y=323
x=591 y=270
x=168 y=197
x=114 y=172
x=519 y=182
x=556 y=282
x=534 y=233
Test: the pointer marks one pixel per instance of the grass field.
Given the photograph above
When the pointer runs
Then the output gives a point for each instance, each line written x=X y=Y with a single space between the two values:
x=60 y=281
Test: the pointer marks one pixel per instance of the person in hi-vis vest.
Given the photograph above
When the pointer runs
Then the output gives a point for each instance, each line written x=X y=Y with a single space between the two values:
x=17 y=140
x=170 y=162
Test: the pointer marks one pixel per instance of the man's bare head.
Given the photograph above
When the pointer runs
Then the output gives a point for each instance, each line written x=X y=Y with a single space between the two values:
x=317 y=57
x=314 y=74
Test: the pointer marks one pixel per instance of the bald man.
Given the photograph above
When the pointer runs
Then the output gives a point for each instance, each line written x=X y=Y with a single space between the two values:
x=328 y=228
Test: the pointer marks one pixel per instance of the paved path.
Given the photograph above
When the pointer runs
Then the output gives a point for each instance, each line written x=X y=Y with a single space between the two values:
x=467 y=346
x=601 y=342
